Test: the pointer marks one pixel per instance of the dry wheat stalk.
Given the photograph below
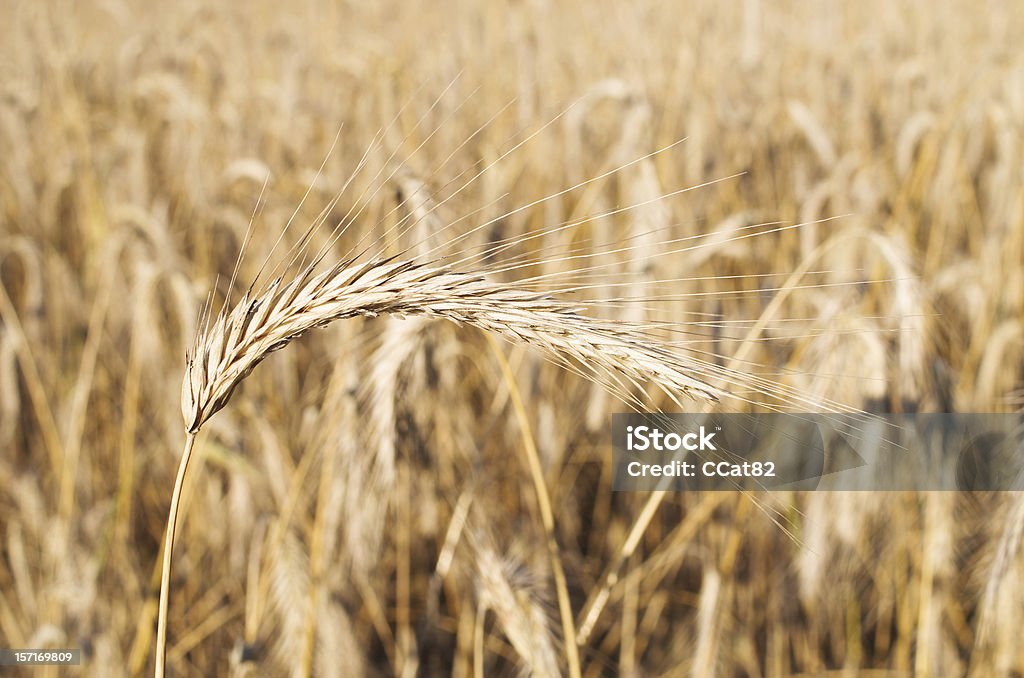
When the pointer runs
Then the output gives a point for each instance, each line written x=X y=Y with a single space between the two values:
x=228 y=349
x=226 y=352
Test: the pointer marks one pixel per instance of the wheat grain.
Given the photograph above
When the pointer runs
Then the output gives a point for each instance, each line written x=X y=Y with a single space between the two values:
x=227 y=351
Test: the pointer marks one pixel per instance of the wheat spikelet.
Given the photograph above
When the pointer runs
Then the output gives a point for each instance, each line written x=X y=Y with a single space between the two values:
x=227 y=351
x=505 y=586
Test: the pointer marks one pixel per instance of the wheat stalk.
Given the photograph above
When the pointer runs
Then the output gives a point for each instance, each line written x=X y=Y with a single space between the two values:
x=228 y=349
x=226 y=352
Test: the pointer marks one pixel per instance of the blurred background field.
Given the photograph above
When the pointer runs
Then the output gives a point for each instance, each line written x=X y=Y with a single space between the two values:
x=363 y=507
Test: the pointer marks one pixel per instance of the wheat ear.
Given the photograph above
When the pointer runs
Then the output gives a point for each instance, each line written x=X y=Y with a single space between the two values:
x=237 y=341
x=229 y=348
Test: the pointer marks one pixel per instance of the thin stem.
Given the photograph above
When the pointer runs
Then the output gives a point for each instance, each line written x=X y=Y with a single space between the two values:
x=165 y=573
x=546 y=515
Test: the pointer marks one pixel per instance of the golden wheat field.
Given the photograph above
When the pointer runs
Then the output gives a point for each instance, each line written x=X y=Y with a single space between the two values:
x=407 y=260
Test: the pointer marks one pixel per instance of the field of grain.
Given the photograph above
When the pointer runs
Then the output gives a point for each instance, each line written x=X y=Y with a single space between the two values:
x=809 y=206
